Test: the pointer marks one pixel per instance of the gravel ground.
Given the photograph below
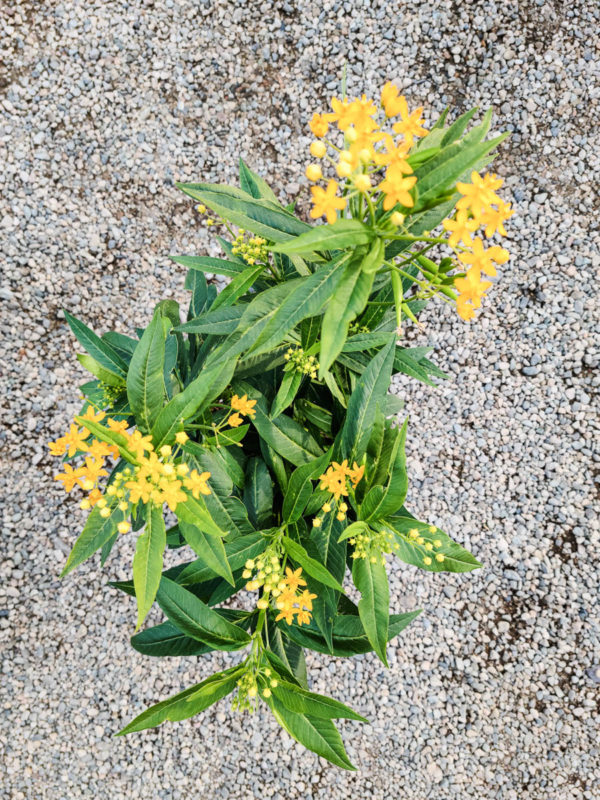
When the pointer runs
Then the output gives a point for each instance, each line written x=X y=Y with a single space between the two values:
x=494 y=691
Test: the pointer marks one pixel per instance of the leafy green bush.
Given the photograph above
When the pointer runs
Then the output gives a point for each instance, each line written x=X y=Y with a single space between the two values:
x=263 y=422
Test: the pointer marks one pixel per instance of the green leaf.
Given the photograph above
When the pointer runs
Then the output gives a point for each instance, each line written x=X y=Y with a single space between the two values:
x=306 y=300
x=254 y=319
x=288 y=389
x=260 y=216
x=343 y=234
x=285 y=656
x=365 y=341
x=188 y=703
x=348 y=301
x=310 y=565
x=381 y=501
x=372 y=582
x=300 y=487
x=301 y=701
x=218 y=266
x=209 y=548
x=148 y=561
x=455 y=557
x=319 y=735
x=145 y=383
x=197 y=395
x=258 y=493
x=96 y=532
x=237 y=551
x=349 y=637
x=365 y=400
x=285 y=435
x=100 y=350
x=238 y=286
x=219 y=322
x=458 y=127
x=165 y=640
x=254 y=185
x=196 y=619
x=194 y=512
x=100 y=372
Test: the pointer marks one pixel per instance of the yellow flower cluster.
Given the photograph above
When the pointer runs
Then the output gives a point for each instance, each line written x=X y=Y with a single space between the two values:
x=298 y=361
x=154 y=477
x=367 y=151
x=252 y=250
x=266 y=572
x=335 y=481
x=241 y=406
x=479 y=206
x=87 y=476
x=248 y=687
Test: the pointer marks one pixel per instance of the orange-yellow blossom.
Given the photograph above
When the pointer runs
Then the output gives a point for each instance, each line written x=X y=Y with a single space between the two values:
x=326 y=203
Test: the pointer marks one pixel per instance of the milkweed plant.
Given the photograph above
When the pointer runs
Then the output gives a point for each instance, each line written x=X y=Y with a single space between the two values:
x=258 y=437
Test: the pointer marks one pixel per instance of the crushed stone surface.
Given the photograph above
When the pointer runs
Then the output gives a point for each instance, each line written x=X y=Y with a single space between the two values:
x=494 y=691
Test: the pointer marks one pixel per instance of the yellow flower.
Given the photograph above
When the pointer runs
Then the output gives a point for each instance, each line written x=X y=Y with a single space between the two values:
x=293 y=578
x=117 y=425
x=235 y=421
x=362 y=183
x=326 y=203
x=411 y=125
x=243 y=405
x=494 y=218
x=482 y=259
x=75 y=440
x=139 y=489
x=343 y=114
x=94 y=496
x=93 y=469
x=319 y=125
x=471 y=287
x=461 y=228
x=92 y=415
x=477 y=195
x=59 y=447
x=172 y=494
x=98 y=449
x=394 y=154
x=181 y=437
x=396 y=188
x=390 y=99
x=302 y=617
x=70 y=477
x=196 y=483
x=356 y=474
x=286 y=613
x=139 y=444
x=465 y=311
x=362 y=112
x=305 y=600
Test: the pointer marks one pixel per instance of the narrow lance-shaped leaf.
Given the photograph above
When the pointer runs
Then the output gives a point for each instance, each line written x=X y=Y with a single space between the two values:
x=148 y=561
x=309 y=564
x=145 y=383
x=188 y=703
x=209 y=548
x=97 y=531
x=370 y=578
x=196 y=619
x=99 y=349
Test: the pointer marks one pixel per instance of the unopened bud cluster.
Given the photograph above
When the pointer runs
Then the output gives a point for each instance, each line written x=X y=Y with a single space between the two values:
x=372 y=545
x=252 y=251
x=265 y=572
x=298 y=361
x=248 y=688
x=430 y=546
